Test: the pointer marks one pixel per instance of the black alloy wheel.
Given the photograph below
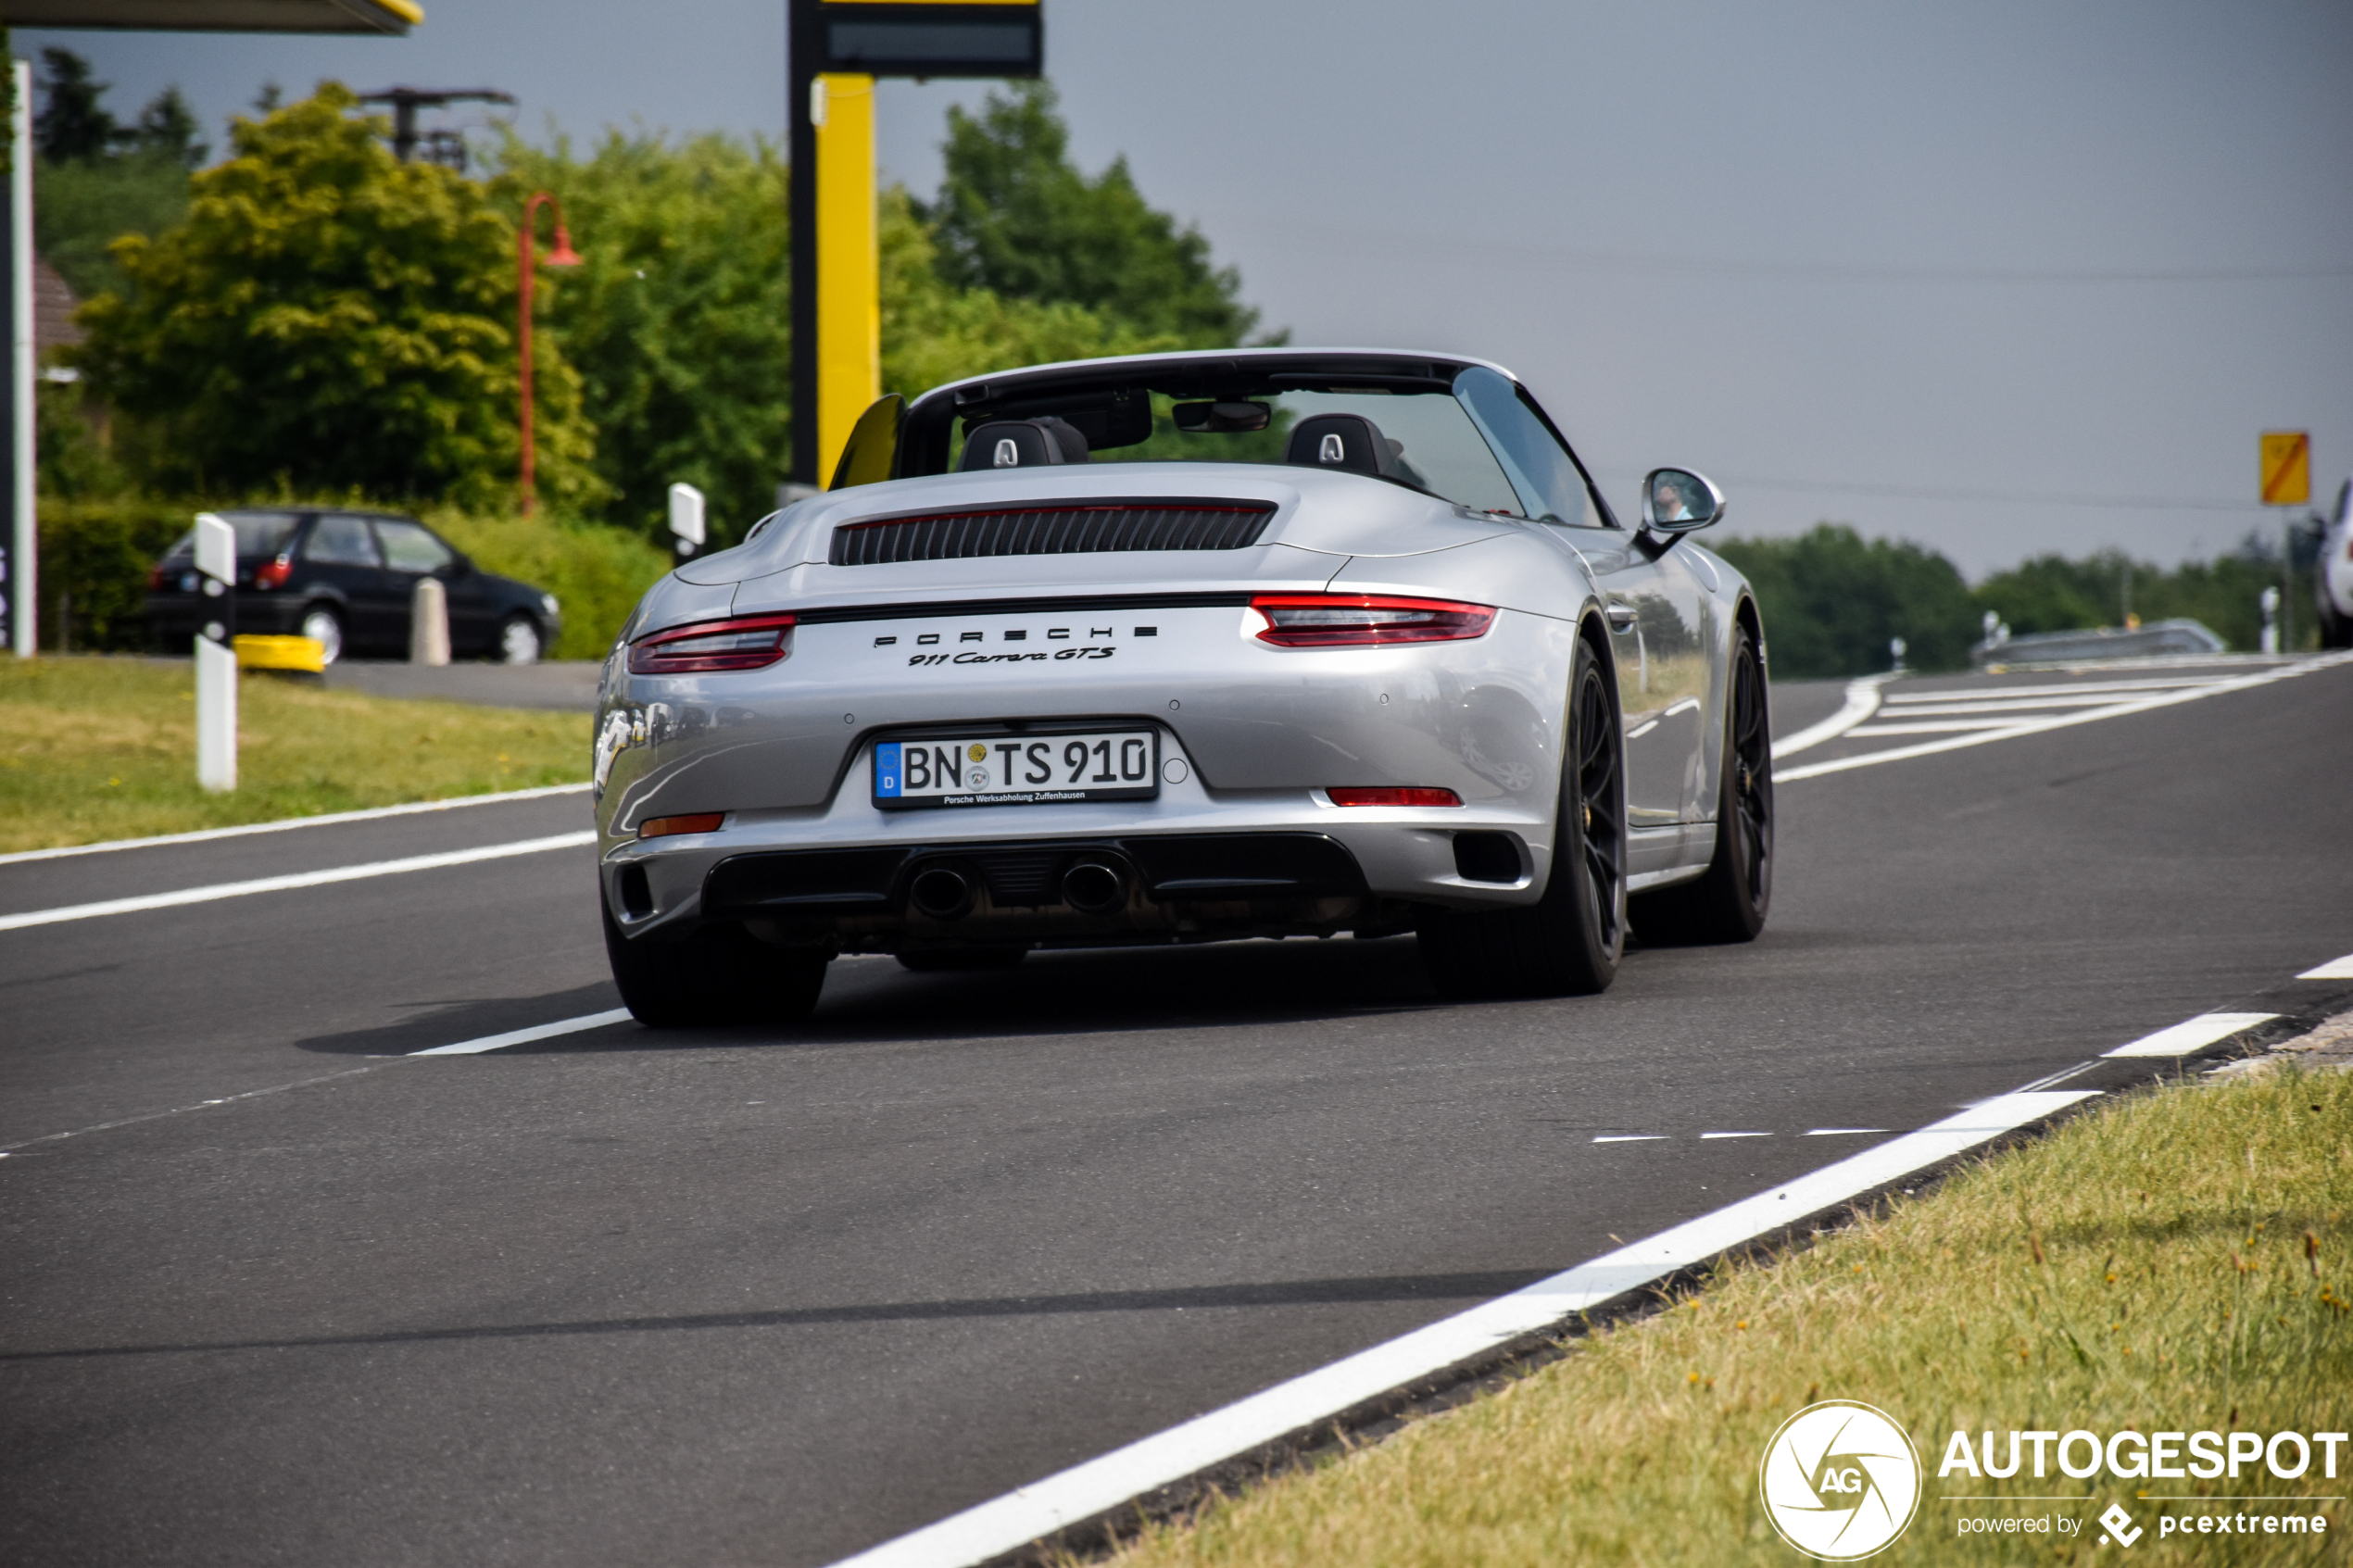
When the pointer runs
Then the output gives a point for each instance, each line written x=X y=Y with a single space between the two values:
x=1569 y=941
x=1730 y=900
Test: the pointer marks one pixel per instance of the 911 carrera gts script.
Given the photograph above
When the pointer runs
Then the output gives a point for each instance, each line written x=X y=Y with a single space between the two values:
x=970 y=657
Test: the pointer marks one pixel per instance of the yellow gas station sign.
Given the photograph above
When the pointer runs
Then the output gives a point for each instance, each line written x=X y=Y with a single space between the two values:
x=2286 y=468
x=837 y=48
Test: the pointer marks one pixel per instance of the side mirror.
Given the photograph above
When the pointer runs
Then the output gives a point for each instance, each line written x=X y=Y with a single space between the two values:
x=1676 y=501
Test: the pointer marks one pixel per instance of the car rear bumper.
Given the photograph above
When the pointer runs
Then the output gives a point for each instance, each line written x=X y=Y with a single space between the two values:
x=1197 y=863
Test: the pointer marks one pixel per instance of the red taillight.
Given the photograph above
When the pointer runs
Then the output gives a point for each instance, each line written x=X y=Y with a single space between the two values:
x=155 y=578
x=1332 y=621
x=663 y=827
x=1395 y=797
x=274 y=574
x=747 y=641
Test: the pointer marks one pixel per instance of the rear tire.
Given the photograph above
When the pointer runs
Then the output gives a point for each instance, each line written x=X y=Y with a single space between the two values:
x=1730 y=900
x=936 y=960
x=721 y=974
x=1568 y=942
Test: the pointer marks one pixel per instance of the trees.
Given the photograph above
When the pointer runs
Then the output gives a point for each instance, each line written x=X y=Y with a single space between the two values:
x=96 y=179
x=329 y=319
x=1016 y=218
x=1831 y=600
x=678 y=319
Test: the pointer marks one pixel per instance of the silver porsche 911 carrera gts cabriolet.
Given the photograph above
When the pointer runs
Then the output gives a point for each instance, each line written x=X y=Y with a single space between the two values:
x=1185 y=648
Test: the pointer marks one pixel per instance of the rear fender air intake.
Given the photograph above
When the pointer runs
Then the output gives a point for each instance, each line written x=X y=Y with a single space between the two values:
x=1069 y=528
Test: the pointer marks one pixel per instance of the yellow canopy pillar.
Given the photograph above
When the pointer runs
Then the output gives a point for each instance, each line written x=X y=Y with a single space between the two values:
x=839 y=48
x=848 y=261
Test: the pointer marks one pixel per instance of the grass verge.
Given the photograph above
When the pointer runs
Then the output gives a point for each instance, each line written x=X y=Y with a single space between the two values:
x=102 y=748
x=2145 y=1266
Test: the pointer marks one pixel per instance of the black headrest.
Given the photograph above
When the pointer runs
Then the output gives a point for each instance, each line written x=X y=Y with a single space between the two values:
x=1022 y=444
x=1342 y=440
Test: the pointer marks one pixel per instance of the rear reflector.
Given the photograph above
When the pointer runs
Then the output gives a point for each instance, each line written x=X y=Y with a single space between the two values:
x=663 y=827
x=1329 y=621
x=744 y=642
x=1395 y=797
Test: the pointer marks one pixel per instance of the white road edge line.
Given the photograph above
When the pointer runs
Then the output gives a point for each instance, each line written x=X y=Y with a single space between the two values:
x=285 y=823
x=2035 y=726
x=1862 y=701
x=1098 y=1484
x=525 y=1036
x=2192 y=1033
x=302 y=879
x=2335 y=969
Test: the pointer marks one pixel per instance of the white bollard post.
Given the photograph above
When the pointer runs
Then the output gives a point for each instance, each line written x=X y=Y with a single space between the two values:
x=216 y=654
x=685 y=522
x=429 y=623
x=2271 y=603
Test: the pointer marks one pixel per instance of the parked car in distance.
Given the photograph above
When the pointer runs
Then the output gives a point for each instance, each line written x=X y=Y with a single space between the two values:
x=346 y=578
x=2332 y=575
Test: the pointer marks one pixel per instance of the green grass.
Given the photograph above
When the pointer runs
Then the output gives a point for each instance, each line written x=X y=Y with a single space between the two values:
x=102 y=748
x=2146 y=1266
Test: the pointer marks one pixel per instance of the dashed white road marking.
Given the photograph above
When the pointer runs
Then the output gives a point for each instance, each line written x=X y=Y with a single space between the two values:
x=302 y=879
x=525 y=1036
x=182 y=1110
x=1632 y=1137
x=286 y=824
x=1842 y=1132
x=2192 y=1034
x=1085 y=1490
x=2335 y=969
x=1706 y=1136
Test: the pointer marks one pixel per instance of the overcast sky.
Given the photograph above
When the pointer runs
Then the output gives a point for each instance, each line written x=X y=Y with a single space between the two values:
x=1999 y=277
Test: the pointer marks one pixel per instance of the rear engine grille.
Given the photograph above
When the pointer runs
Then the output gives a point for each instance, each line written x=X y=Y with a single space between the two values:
x=1079 y=528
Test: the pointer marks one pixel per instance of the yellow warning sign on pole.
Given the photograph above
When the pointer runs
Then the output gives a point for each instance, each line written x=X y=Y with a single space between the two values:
x=2287 y=468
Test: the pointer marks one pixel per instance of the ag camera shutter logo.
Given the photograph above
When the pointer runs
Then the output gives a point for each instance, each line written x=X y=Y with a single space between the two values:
x=1840 y=1480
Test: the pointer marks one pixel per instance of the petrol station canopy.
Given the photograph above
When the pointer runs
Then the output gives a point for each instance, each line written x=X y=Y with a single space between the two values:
x=218 y=16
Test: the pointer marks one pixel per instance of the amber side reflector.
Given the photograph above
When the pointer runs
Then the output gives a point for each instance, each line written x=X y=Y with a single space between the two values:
x=1395 y=797
x=663 y=827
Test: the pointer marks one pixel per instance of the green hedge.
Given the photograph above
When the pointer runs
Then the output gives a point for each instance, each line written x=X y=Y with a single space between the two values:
x=599 y=573
x=95 y=554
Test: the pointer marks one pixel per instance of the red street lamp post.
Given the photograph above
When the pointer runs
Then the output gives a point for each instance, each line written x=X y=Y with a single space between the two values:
x=562 y=256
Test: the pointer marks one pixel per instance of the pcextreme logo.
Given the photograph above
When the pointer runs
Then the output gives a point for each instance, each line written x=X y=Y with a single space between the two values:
x=1839 y=1480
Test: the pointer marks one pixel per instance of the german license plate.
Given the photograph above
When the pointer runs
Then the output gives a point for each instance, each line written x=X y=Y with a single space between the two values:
x=1027 y=770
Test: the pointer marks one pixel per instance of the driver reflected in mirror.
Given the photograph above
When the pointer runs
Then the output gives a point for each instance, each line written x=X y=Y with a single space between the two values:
x=1671 y=498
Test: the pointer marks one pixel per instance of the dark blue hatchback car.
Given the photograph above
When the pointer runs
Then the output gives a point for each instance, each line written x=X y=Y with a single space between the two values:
x=348 y=578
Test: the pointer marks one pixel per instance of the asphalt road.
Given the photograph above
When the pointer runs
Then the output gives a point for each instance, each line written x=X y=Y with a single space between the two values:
x=634 y=1298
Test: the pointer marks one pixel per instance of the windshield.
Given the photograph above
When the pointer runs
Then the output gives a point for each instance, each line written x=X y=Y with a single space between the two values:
x=1432 y=441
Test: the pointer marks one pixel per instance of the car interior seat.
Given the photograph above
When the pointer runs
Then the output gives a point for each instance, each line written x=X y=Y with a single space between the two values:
x=1022 y=444
x=1344 y=441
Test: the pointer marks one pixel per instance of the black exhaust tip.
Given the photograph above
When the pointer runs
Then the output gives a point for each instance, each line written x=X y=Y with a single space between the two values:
x=941 y=892
x=1094 y=887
